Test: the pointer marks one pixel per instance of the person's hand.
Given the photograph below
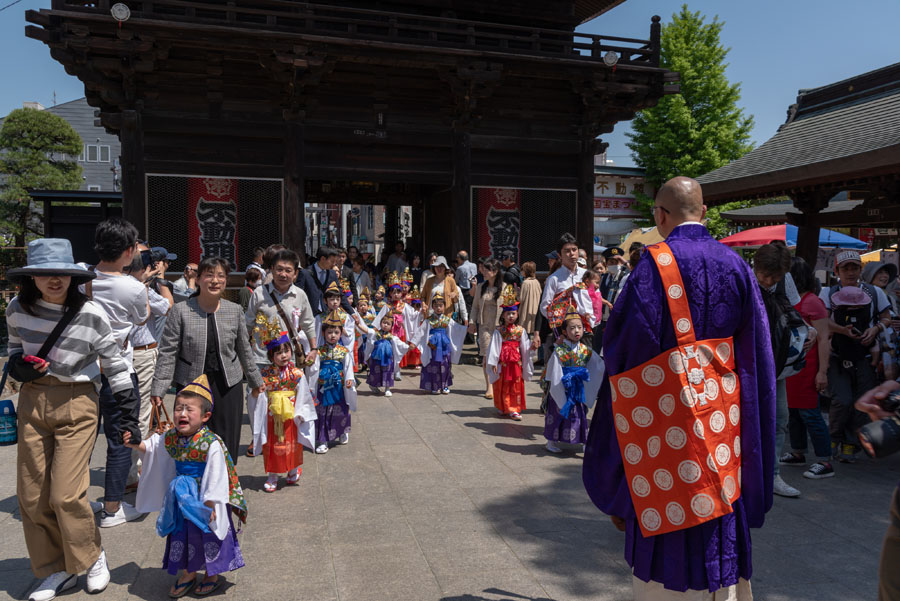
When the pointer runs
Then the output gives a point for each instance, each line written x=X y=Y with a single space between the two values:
x=810 y=339
x=608 y=304
x=821 y=381
x=870 y=402
x=844 y=331
x=258 y=390
x=536 y=341
x=42 y=367
x=126 y=442
x=618 y=522
x=895 y=323
x=471 y=328
x=494 y=369
x=349 y=384
x=356 y=318
x=312 y=356
x=156 y=400
x=869 y=335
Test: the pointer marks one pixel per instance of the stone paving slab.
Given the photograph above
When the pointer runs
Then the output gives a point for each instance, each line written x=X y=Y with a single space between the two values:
x=438 y=498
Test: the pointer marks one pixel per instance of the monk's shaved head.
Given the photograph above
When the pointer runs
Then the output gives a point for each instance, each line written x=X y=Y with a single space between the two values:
x=679 y=200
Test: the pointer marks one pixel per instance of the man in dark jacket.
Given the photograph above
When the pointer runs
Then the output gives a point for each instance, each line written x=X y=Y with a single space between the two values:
x=315 y=279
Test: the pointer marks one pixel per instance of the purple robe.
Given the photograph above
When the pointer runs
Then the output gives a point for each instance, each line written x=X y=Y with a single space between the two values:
x=725 y=301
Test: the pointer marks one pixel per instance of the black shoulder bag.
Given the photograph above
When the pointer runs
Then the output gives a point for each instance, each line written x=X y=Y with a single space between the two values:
x=299 y=355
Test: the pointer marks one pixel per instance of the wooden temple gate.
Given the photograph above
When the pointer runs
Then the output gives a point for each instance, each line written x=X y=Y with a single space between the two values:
x=439 y=99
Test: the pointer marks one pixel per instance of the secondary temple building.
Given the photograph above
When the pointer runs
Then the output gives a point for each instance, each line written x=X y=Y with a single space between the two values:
x=483 y=117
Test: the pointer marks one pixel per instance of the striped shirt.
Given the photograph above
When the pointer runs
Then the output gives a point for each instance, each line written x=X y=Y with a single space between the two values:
x=74 y=357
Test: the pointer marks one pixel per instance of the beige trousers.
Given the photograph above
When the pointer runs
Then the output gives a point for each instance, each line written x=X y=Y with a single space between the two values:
x=654 y=591
x=144 y=366
x=57 y=430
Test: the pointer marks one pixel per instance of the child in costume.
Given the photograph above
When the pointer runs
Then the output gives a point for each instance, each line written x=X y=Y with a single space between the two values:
x=406 y=319
x=440 y=341
x=412 y=297
x=333 y=295
x=383 y=354
x=378 y=302
x=575 y=373
x=367 y=315
x=509 y=358
x=286 y=407
x=188 y=476
x=332 y=378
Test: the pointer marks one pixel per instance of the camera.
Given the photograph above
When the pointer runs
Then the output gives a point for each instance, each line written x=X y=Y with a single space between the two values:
x=882 y=438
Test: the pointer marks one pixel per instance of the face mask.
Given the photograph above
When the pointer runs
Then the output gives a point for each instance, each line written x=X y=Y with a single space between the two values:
x=613 y=270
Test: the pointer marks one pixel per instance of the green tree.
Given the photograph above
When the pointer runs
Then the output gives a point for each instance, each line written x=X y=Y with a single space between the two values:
x=702 y=128
x=38 y=151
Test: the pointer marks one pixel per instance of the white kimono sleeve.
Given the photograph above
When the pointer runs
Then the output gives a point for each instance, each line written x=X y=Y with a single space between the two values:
x=597 y=369
x=421 y=342
x=493 y=356
x=349 y=393
x=525 y=352
x=554 y=377
x=214 y=487
x=412 y=322
x=400 y=350
x=259 y=421
x=157 y=471
x=376 y=324
x=305 y=415
x=457 y=334
x=348 y=338
x=312 y=374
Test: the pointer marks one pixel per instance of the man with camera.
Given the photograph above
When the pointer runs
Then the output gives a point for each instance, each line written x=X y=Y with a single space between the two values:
x=148 y=268
x=880 y=438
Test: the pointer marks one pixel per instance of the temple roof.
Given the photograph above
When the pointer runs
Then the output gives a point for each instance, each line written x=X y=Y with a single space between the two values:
x=834 y=134
x=585 y=10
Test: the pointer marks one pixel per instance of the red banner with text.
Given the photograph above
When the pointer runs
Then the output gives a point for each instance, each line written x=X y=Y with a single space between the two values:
x=499 y=222
x=212 y=219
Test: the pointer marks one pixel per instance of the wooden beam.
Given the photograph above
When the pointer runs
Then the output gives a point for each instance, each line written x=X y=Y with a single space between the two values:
x=584 y=203
x=294 y=225
x=460 y=194
x=134 y=180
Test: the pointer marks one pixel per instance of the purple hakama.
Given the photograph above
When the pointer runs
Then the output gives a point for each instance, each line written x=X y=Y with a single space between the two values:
x=192 y=550
x=332 y=422
x=571 y=430
x=725 y=301
x=437 y=375
x=379 y=375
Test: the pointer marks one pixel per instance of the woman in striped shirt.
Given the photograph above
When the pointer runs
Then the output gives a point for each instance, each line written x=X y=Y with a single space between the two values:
x=58 y=415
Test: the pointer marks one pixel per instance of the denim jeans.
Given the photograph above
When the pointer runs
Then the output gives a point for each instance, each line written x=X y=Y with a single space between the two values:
x=847 y=385
x=781 y=420
x=118 y=457
x=803 y=421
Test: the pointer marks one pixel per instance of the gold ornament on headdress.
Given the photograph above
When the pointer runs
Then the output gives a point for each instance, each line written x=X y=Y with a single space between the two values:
x=406 y=277
x=437 y=296
x=571 y=313
x=333 y=288
x=266 y=329
x=392 y=279
x=381 y=290
x=508 y=296
x=365 y=295
x=414 y=294
x=333 y=319
x=345 y=286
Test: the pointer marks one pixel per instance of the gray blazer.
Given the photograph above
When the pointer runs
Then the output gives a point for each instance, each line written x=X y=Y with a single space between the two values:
x=182 y=352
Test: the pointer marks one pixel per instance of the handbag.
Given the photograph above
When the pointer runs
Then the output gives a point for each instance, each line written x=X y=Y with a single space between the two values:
x=24 y=372
x=9 y=433
x=678 y=422
x=162 y=425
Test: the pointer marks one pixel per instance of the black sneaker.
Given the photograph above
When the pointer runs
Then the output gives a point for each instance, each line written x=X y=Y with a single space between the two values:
x=793 y=459
x=819 y=470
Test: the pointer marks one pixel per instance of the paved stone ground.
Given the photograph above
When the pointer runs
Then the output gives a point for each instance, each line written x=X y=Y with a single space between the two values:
x=436 y=498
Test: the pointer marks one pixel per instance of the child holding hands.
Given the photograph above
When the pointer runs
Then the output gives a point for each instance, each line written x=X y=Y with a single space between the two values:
x=509 y=358
x=332 y=378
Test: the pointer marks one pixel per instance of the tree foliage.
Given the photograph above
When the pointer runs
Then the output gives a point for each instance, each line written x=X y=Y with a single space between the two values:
x=702 y=128
x=38 y=151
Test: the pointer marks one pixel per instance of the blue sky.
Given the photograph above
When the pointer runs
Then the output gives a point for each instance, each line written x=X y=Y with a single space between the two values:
x=777 y=47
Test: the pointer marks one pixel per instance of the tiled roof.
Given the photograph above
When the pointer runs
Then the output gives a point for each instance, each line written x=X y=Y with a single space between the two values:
x=779 y=211
x=826 y=129
x=585 y=10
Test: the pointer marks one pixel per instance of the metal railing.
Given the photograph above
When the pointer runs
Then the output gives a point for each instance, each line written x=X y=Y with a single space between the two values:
x=381 y=26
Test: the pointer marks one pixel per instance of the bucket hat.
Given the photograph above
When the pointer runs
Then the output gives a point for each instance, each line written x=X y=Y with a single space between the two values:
x=850 y=296
x=440 y=260
x=50 y=256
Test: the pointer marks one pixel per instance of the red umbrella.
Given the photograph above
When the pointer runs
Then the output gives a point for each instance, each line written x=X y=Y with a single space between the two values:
x=756 y=237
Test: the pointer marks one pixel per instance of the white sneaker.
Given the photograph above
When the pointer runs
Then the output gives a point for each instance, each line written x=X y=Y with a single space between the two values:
x=322 y=448
x=126 y=513
x=445 y=391
x=398 y=376
x=435 y=392
x=784 y=489
x=53 y=585
x=375 y=389
x=388 y=393
x=554 y=448
x=344 y=439
x=96 y=506
x=98 y=575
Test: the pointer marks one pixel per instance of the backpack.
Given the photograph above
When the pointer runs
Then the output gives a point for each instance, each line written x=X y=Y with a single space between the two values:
x=788 y=330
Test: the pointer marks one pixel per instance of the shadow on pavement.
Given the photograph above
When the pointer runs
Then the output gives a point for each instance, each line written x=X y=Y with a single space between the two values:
x=496 y=595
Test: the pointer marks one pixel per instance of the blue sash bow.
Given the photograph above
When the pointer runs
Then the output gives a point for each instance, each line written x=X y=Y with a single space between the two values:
x=573 y=381
x=441 y=342
x=331 y=382
x=383 y=353
x=183 y=501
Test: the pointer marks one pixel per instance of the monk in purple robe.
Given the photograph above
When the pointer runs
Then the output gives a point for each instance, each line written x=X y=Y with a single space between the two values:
x=725 y=301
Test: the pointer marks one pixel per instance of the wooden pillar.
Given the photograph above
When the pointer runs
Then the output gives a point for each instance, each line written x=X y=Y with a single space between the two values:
x=134 y=175
x=418 y=240
x=808 y=225
x=584 y=203
x=294 y=226
x=391 y=227
x=461 y=194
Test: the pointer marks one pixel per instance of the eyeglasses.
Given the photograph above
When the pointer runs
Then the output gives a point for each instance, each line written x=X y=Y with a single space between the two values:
x=663 y=209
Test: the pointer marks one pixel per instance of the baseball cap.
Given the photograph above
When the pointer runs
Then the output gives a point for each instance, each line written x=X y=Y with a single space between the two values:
x=846 y=257
x=161 y=254
x=581 y=262
x=552 y=255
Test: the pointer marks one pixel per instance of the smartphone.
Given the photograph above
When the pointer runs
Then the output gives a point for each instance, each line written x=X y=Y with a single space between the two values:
x=855 y=332
x=32 y=359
